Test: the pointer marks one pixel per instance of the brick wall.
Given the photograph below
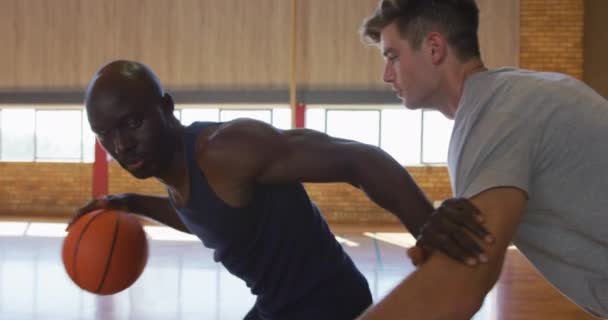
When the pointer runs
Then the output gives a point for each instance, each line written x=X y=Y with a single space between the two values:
x=43 y=189
x=552 y=36
x=346 y=204
x=121 y=181
x=56 y=190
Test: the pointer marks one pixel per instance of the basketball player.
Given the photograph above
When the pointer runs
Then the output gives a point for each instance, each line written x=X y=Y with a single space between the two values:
x=528 y=149
x=237 y=186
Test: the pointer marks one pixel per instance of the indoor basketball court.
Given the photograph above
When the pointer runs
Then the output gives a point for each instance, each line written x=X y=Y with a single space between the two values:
x=290 y=64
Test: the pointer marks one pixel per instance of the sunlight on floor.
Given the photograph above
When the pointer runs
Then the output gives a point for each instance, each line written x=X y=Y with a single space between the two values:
x=401 y=239
x=162 y=233
x=13 y=228
x=168 y=234
x=346 y=242
x=45 y=229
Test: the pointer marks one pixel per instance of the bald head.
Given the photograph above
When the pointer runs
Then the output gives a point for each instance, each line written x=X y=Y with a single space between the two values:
x=121 y=81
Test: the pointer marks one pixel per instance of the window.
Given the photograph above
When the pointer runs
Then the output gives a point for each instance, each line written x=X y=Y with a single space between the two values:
x=281 y=118
x=262 y=115
x=401 y=134
x=17 y=134
x=358 y=125
x=88 y=140
x=436 y=133
x=315 y=119
x=59 y=135
x=190 y=115
x=412 y=137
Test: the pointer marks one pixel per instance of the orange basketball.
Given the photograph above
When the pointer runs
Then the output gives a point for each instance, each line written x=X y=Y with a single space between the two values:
x=105 y=251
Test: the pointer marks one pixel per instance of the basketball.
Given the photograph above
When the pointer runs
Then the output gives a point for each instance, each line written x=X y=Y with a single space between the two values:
x=105 y=251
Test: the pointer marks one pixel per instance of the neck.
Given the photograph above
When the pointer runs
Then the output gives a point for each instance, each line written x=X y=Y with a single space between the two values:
x=176 y=172
x=456 y=80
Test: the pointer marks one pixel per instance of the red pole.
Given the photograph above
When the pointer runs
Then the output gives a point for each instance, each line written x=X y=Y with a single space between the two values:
x=100 y=172
x=300 y=115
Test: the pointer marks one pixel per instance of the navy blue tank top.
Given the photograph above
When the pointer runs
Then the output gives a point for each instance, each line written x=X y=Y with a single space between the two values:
x=279 y=244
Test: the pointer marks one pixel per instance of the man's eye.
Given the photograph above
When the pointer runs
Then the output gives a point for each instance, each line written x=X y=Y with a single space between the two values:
x=134 y=123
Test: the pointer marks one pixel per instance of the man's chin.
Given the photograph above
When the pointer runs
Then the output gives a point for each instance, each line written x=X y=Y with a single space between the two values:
x=140 y=173
x=405 y=103
x=412 y=105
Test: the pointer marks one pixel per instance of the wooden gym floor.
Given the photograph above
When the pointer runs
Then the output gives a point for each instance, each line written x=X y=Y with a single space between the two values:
x=181 y=281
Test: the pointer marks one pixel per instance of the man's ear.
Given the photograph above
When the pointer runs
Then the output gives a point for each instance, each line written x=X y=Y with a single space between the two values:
x=437 y=45
x=168 y=105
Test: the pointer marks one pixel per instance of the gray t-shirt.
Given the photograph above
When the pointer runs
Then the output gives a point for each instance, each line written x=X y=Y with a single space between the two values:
x=546 y=134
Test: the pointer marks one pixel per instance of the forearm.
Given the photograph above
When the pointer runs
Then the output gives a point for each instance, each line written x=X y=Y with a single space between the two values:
x=454 y=290
x=457 y=294
x=389 y=185
x=156 y=208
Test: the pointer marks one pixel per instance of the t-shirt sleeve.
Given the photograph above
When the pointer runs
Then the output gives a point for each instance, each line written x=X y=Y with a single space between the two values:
x=498 y=153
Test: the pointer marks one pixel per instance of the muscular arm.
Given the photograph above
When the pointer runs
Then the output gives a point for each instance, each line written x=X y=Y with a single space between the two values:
x=462 y=288
x=245 y=152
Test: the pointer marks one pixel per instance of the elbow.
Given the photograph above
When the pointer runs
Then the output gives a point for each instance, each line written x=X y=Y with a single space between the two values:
x=472 y=302
x=474 y=295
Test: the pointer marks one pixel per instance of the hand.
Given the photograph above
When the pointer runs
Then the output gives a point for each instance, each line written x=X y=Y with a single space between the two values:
x=118 y=202
x=446 y=230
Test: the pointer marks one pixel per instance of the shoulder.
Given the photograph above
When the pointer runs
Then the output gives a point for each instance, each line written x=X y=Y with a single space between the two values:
x=514 y=95
x=518 y=82
x=529 y=85
x=234 y=142
x=239 y=131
